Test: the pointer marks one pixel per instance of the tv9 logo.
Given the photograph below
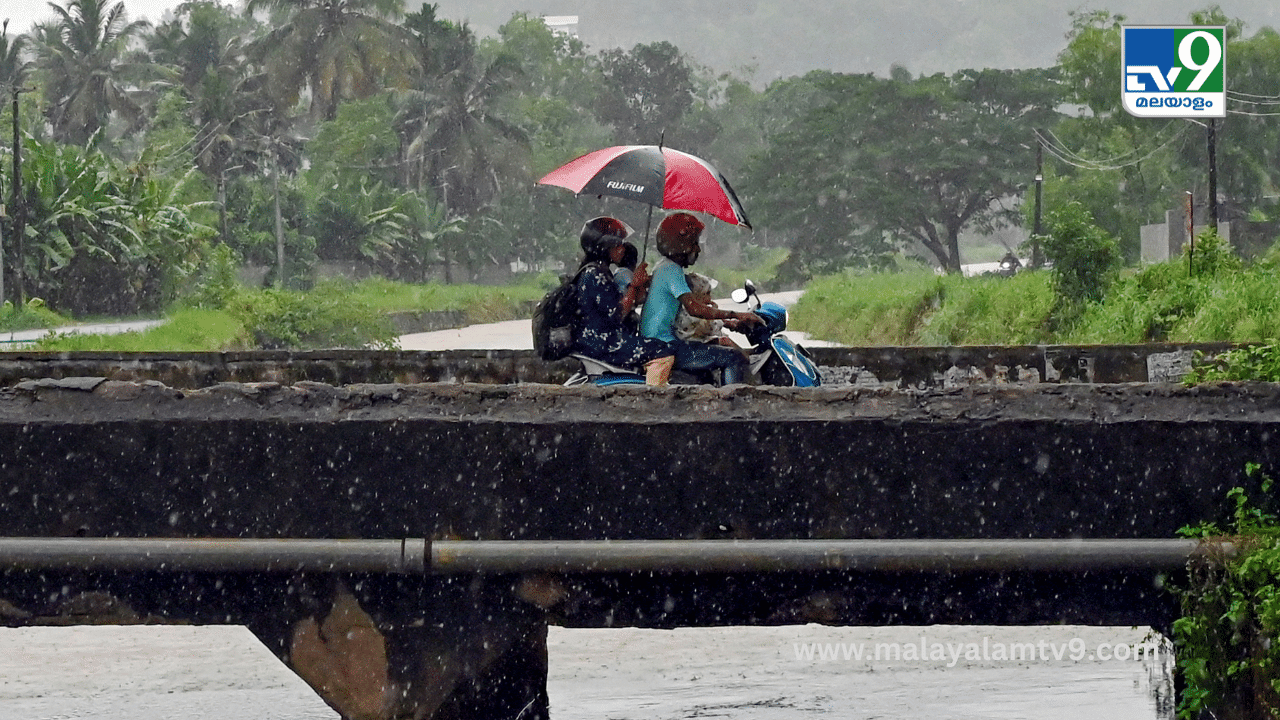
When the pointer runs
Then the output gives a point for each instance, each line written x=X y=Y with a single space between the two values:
x=1174 y=71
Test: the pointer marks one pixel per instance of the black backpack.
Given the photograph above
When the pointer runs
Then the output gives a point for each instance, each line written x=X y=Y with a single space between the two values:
x=555 y=319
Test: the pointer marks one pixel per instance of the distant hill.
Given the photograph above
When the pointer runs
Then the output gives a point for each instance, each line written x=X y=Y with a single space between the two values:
x=783 y=38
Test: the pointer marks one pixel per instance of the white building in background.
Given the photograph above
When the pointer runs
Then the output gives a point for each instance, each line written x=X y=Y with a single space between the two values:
x=564 y=24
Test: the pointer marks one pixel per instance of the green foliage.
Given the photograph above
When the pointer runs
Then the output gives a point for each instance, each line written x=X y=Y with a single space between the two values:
x=218 y=281
x=922 y=308
x=991 y=311
x=482 y=304
x=1222 y=302
x=1085 y=258
x=32 y=315
x=103 y=237
x=883 y=164
x=326 y=317
x=1231 y=610
x=187 y=330
x=1250 y=363
x=868 y=309
x=1212 y=255
x=647 y=90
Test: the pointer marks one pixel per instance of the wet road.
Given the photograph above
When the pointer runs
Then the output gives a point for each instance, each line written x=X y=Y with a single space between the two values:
x=518 y=334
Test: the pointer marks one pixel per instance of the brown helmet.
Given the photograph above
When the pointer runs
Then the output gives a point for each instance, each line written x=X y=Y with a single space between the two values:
x=678 y=238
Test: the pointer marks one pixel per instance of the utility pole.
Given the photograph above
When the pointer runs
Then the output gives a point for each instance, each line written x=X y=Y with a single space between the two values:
x=1211 y=139
x=1191 y=234
x=1036 y=260
x=275 y=189
x=19 y=207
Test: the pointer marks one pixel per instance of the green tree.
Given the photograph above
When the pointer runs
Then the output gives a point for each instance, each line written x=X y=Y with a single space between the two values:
x=455 y=142
x=85 y=61
x=13 y=65
x=1085 y=258
x=104 y=237
x=334 y=49
x=647 y=90
x=554 y=94
x=351 y=181
x=887 y=163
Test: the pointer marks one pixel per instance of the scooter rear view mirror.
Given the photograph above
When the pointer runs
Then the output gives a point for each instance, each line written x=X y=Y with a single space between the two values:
x=739 y=295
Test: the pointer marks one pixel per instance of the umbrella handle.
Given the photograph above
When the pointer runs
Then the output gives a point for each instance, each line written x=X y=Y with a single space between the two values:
x=647 y=223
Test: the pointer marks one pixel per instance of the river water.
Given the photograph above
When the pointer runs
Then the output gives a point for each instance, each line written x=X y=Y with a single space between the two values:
x=777 y=673
x=774 y=673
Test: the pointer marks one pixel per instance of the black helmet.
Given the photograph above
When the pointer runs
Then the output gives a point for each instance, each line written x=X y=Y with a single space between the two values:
x=600 y=234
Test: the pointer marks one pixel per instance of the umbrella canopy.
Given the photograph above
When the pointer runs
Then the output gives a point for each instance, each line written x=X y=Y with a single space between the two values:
x=659 y=176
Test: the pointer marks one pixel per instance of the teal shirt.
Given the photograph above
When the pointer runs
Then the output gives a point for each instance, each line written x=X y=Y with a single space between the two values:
x=663 y=303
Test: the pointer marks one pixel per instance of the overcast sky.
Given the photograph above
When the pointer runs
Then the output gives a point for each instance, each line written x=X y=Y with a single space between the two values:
x=23 y=14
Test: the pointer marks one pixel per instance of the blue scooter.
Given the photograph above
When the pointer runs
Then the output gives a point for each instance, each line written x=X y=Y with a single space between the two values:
x=774 y=359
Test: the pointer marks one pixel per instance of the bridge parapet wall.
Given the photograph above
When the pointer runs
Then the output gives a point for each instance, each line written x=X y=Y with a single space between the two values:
x=870 y=367
x=99 y=457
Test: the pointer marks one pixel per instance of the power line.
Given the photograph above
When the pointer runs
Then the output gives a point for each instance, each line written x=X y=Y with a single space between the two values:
x=1066 y=155
x=1267 y=101
x=1062 y=148
x=1251 y=95
x=1253 y=114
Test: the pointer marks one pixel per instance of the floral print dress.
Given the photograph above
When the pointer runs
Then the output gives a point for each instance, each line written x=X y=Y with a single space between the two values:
x=602 y=334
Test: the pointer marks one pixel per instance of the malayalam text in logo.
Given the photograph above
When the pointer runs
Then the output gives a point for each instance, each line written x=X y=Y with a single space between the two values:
x=1174 y=71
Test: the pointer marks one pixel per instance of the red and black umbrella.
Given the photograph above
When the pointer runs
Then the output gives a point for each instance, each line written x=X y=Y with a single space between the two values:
x=652 y=174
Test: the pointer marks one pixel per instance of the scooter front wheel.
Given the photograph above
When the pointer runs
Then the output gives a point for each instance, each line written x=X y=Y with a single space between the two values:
x=775 y=372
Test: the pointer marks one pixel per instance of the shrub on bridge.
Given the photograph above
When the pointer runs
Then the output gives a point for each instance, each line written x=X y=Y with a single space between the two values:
x=1253 y=363
x=1228 y=640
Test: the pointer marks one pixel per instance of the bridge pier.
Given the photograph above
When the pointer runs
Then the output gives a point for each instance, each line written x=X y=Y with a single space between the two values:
x=373 y=647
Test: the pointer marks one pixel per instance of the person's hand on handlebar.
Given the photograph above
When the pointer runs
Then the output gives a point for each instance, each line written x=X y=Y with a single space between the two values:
x=739 y=320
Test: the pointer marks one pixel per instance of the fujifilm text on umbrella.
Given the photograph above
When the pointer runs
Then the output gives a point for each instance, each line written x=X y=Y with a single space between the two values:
x=615 y=185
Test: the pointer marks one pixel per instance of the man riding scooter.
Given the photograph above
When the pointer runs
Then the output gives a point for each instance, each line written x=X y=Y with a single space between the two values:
x=677 y=240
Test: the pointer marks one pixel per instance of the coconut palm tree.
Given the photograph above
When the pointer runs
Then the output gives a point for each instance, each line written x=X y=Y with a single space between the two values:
x=451 y=133
x=85 y=59
x=13 y=67
x=334 y=49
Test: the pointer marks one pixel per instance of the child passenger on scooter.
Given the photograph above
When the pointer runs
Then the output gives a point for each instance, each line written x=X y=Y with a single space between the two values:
x=695 y=329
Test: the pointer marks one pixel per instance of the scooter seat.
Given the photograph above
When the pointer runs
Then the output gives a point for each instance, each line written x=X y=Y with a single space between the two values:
x=596 y=367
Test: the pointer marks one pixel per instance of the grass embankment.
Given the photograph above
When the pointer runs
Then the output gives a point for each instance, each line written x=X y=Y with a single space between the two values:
x=33 y=315
x=1160 y=303
x=332 y=315
x=335 y=314
x=921 y=308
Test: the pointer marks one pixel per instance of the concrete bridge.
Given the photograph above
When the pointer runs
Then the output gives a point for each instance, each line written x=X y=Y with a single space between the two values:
x=89 y=457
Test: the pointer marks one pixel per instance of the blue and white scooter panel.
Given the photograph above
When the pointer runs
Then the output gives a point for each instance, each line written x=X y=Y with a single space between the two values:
x=804 y=372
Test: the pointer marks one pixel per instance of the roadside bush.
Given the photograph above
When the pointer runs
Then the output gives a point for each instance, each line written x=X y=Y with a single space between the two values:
x=1208 y=297
x=186 y=330
x=1085 y=258
x=868 y=309
x=31 y=316
x=991 y=311
x=218 y=280
x=327 y=317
